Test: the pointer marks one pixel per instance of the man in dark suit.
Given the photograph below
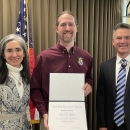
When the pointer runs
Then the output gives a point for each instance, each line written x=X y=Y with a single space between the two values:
x=108 y=93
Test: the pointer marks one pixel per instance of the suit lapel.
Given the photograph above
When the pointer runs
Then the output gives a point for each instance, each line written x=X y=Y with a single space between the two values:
x=112 y=71
x=127 y=83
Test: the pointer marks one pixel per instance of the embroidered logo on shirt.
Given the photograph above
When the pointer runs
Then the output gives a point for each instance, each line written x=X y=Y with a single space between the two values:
x=80 y=61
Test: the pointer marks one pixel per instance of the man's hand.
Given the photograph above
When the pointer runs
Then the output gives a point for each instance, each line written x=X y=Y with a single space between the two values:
x=45 y=121
x=102 y=128
x=87 y=89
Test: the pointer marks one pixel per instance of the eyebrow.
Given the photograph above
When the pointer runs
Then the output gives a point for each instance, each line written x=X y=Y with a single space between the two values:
x=15 y=48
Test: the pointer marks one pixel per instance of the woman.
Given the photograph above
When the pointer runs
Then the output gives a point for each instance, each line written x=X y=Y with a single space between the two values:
x=14 y=84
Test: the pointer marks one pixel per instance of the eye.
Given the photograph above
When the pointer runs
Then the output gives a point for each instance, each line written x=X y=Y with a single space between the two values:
x=119 y=38
x=62 y=25
x=9 y=50
x=128 y=37
x=71 y=24
x=18 y=49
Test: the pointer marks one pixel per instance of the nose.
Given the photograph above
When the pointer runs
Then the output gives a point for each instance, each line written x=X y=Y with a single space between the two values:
x=123 y=40
x=14 y=53
x=67 y=27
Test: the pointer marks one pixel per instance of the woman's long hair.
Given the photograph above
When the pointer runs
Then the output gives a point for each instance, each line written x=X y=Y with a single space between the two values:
x=25 y=73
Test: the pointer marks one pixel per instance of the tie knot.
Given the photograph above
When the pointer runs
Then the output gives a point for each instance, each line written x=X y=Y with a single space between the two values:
x=123 y=63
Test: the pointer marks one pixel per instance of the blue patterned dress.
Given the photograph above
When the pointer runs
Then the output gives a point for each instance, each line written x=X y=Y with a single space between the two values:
x=11 y=103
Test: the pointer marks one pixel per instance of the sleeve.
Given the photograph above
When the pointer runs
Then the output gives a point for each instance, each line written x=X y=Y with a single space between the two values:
x=38 y=86
x=101 y=100
x=28 y=113
x=89 y=74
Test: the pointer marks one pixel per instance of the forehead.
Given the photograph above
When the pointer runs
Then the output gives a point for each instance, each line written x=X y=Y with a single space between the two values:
x=122 y=32
x=13 y=44
x=66 y=18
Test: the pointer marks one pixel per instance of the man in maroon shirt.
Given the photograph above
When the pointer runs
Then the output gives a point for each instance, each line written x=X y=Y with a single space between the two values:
x=65 y=57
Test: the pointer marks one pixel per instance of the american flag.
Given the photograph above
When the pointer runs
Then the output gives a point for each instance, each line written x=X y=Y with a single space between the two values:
x=22 y=21
x=23 y=29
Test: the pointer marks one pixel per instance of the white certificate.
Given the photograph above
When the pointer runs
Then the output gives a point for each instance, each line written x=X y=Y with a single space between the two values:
x=67 y=116
x=67 y=102
x=66 y=87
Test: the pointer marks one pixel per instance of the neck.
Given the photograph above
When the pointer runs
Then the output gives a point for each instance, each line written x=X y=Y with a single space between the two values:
x=68 y=46
x=123 y=56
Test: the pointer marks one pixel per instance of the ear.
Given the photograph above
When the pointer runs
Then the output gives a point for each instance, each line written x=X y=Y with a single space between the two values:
x=113 y=41
x=57 y=29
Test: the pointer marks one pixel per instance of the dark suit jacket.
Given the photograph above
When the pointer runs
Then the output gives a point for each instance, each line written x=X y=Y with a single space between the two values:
x=105 y=99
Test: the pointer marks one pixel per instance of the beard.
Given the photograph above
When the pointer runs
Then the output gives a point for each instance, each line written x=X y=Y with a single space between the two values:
x=67 y=38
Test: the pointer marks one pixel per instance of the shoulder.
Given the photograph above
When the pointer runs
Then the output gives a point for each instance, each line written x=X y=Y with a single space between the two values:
x=46 y=55
x=47 y=52
x=84 y=53
x=112 y=60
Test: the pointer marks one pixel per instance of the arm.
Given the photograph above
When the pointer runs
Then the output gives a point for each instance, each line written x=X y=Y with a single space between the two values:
x=45 y=121
x=88 y=79
x=103 y=129
x=28 y=117
x=101 y=101
x=39 y=85
x=28 y=113
x=87 y=89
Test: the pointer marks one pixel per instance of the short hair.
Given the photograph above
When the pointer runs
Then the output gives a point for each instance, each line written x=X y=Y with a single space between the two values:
x=25 y=73
x=121 y=26
x=66 y=12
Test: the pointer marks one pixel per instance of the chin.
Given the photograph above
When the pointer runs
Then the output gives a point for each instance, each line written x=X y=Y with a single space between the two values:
x=67 y=40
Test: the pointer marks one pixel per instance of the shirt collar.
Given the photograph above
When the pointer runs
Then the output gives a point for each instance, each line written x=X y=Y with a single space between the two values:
x=126 y=58
x=63 y=49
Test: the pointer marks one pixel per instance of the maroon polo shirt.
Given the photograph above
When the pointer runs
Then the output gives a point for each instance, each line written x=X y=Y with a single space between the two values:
x=57 y=60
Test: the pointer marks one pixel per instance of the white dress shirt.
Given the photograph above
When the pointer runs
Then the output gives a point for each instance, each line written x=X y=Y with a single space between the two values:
x=118 y=65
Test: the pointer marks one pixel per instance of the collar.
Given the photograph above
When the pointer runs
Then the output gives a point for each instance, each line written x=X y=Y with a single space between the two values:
x=14 y=69
x=63 y=49
x=126 y=58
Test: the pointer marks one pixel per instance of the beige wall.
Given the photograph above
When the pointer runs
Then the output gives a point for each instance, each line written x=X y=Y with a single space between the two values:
x=128 y=11
x=96 y=20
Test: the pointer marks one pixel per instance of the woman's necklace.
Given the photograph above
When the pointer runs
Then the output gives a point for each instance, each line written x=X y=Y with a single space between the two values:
x=19 y=83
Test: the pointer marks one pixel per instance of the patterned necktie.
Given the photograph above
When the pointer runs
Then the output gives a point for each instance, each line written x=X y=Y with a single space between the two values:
x=120 y=92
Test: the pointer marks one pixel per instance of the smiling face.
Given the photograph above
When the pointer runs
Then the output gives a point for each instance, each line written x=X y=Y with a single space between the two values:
x=13 y=53
x=66 y=28
x=121 y=41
